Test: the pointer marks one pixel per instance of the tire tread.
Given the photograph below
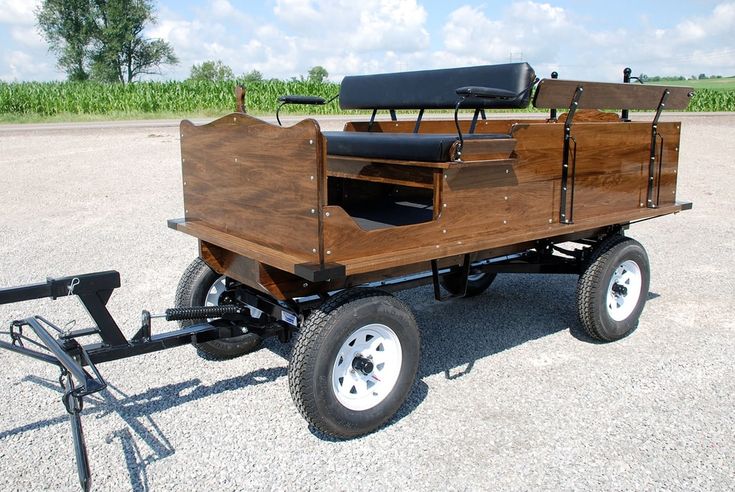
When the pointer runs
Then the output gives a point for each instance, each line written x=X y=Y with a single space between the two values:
x=308 y=343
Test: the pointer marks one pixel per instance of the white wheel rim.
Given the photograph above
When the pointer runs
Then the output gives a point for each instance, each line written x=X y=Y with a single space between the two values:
x=624 y=290
x=216 y=290
x=475 y=277
x=363 y=388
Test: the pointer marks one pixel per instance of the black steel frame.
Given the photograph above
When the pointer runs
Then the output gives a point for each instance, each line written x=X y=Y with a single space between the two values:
x=79 y=376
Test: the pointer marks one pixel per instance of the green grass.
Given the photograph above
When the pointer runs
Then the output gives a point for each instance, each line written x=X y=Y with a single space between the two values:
x=27 y=102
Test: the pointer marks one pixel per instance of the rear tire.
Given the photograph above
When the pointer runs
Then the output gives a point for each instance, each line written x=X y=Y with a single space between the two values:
x=201 y=286
x=612 y=291
x=354 y=362
x=476 y=284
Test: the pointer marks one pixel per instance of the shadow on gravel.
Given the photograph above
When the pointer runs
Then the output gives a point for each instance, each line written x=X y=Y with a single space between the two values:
x=514 y=310
x=137 y=411
x=457 y=333
x=415 y=397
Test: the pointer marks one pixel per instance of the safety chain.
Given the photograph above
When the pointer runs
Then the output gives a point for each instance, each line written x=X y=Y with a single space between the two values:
x=73 y=403
x=16 y=335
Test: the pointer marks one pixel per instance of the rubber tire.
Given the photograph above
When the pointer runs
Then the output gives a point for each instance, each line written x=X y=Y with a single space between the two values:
x=594 y=283
x=192 y=290
x=323 y=333
x=452 y=283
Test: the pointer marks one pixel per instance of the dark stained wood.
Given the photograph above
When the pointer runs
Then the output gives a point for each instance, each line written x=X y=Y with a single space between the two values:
x=491 y=149
x=670 y=133
x=260 y=252
x=588 y=115
x=356 y=161
x=482 y=207
x=487 y=204
x=385 y=258
x=366 y=170
x=256 y=182
x=556 y=93
x=260 y=276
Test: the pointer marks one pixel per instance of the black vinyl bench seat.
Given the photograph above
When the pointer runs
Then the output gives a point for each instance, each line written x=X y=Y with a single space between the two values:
x=429 y=147
x=506 y=86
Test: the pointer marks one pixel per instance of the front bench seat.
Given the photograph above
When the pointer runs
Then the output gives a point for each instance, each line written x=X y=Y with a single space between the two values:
x=427 y=147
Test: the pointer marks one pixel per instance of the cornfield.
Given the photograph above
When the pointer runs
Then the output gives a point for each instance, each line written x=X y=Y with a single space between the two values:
x=53 y=98
x=44 y=99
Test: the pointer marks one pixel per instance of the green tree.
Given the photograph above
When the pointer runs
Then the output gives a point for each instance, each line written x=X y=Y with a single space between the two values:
x=103 y=39
x=211 y=70
x=68 y=28
x=252 y=76
x=318 y=74
x=123 y=53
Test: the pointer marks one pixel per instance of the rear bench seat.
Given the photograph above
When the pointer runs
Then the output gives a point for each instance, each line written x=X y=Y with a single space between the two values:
x=423 y=90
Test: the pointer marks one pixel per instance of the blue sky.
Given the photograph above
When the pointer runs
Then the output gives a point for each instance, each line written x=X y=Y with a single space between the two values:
x=284 y=38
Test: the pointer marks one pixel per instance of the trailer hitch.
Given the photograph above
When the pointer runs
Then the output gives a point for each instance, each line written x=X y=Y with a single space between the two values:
x=79 y=376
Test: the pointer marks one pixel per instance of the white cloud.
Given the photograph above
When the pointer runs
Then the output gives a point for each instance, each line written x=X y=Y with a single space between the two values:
x=19 y=66
x=18 y=11
x=27 y=36
x=341 y=35
x=348 y=37
x=550 y=38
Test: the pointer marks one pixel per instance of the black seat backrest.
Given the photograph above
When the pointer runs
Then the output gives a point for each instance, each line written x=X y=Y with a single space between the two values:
x=436 y=89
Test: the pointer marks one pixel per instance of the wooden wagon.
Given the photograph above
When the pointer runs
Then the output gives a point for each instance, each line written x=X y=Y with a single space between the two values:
x=306 y=231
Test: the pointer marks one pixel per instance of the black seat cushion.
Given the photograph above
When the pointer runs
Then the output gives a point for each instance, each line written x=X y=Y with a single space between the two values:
x=437 y=89
x=399 y=146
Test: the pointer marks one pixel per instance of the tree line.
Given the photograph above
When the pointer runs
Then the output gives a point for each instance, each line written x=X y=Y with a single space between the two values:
x=103 y=40
x=216 y=71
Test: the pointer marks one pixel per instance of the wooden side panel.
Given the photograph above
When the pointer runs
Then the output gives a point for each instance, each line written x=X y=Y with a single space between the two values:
x=255 y=181
x=518 y=200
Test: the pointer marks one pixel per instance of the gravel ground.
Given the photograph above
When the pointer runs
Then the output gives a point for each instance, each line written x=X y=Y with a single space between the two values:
x=509 y=394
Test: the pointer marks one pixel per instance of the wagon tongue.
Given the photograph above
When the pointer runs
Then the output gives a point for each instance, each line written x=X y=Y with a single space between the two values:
x=79 y=376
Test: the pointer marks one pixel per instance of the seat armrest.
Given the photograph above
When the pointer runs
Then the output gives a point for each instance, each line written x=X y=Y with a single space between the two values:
x=485 y=92
x=313 y=100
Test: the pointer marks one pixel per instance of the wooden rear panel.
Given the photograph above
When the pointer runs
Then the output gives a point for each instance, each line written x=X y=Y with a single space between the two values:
x=553 y=93
x=256 y=181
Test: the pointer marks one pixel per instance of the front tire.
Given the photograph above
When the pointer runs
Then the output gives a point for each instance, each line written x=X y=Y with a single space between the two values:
x=354 y=362
x=202 y=286
x=612 y=291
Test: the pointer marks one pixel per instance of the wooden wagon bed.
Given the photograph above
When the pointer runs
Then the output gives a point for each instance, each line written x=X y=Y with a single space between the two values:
x=268 y=201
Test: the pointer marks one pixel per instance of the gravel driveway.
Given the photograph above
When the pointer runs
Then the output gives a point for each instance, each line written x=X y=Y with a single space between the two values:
x=509 y=394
